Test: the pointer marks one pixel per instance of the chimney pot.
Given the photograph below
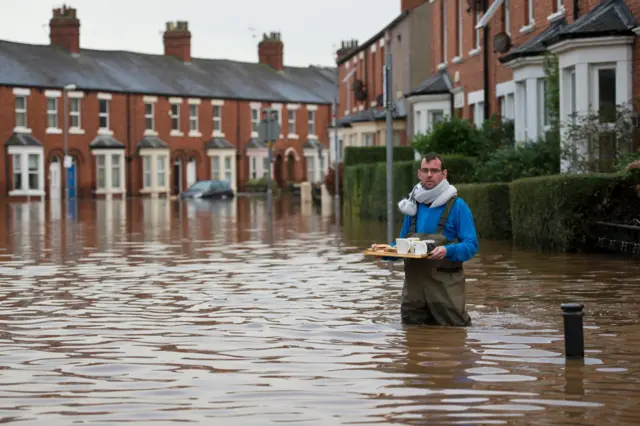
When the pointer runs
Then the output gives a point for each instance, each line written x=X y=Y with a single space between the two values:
x=271 y=51
x=177 y=40
x=64 y=29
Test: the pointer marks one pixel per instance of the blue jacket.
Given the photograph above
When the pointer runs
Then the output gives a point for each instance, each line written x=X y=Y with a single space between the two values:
x=459 y=225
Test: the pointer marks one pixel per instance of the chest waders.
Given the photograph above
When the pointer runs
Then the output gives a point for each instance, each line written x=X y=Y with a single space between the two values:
x=434 y=290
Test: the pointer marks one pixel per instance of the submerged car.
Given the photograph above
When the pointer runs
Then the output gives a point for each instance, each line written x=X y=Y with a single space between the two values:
x=208 y=189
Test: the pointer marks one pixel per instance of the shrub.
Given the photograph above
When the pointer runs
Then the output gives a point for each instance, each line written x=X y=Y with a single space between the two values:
x=509 y=163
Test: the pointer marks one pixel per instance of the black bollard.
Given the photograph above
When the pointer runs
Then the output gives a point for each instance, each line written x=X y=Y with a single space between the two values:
x=573 y=332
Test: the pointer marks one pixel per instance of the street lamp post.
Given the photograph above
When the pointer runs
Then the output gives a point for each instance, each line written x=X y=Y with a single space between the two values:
x=65 y=131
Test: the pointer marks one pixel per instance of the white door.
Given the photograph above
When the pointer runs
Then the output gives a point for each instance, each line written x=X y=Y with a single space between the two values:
x=54 y=179
x=191 y=172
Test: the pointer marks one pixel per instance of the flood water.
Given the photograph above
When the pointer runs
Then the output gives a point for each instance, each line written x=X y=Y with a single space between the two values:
x=166 y=312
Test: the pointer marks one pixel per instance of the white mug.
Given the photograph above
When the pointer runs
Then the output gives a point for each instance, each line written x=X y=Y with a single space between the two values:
x=403 y=245
x=420 y=247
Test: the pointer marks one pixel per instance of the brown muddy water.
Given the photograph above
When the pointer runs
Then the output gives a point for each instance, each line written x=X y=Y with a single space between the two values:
x=166 y=312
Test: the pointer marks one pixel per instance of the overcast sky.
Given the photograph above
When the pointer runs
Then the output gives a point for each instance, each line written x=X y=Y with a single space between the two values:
x=311 y=29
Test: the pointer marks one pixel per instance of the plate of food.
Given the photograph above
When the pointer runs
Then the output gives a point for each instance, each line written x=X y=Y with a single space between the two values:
x=385 y=250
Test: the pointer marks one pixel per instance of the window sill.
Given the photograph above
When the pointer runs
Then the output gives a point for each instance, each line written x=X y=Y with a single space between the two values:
x=107 y=191
x=76 y=131
x=149 y=132
x=153 y=190
x=105 y=132
x=557 y=15
x=474 y=52
x=27 y=193
x=292 y=136
x=312 y=136
x=457 y=60
x=528 y=28
x=254 y=134
x=219 y=134
x=194 y=134
x=442 y=66
x=176 y=133
x=20 y=129
x=53 y=131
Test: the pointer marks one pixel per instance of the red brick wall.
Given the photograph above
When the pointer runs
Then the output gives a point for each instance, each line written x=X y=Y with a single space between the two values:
x=369 y=70
x=236 y=125
x=471 y=68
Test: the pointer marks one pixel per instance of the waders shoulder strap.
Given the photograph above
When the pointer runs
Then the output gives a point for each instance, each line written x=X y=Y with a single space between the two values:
x=445 y=214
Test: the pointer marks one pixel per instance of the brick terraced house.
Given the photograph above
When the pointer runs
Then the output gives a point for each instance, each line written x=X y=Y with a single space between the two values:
x=361 y=116
x=150 y=125
x=595 y=43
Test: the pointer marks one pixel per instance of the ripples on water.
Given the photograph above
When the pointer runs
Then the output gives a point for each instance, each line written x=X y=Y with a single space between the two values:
x=158 y=312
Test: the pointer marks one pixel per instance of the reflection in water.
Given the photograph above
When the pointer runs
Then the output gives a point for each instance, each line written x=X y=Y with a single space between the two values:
x=171 y=311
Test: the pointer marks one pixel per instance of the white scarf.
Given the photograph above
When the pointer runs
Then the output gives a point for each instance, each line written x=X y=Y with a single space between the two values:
x=436 y=197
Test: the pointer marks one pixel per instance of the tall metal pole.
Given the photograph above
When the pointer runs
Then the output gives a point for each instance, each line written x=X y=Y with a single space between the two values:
x=337 y=151
x=389 y=106
x=485 y=55
x=66 y=148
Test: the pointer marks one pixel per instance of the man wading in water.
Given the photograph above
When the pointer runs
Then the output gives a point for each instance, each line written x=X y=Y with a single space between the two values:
x=434 y=288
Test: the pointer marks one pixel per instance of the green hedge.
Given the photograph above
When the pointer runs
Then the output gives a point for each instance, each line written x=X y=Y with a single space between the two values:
x=354 y=155
x=490 y=206
x=555 y=212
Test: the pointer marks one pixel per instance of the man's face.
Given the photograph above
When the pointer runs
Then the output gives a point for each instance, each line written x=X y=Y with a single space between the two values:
x=431 y=173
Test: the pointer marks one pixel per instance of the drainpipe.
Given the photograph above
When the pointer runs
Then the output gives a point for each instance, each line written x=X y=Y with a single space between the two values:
x=485 y=51
x=239 y=144
x=576 y=9
x=130 y=154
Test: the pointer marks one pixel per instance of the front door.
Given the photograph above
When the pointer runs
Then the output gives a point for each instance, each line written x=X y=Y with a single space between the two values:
x=54 y=179
x=72 y=179
x=191 y=172
x=177 y=177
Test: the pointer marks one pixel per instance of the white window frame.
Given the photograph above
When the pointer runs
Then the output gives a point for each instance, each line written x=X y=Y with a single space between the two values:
x=106 y=98
x=476 y=47
x=310 y=159
x=153 y=154
x=217 y=118
x=24 y=152
x=255 y=121
x=55 y=113
x=530 y=24
x=194 y=120
x=312 y=129
x=75 y=98
x=595 y=86
x=150 y=100
x=108 y=155
x=224 y=170
x=177 y=103
x=292 y=122
x=543 y=114
x=23 y=113
x=460 y=19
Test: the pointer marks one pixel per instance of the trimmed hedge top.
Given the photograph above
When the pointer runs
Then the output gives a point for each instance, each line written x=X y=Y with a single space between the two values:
x=354 y=155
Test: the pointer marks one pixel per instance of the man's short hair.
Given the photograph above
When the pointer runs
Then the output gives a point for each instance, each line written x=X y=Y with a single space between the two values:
x=433 y=156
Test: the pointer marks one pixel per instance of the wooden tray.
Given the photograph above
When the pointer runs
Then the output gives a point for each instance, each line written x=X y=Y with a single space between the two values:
x=379 y=253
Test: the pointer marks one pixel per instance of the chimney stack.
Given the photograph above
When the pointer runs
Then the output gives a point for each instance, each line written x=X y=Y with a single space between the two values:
x=410 y=4
x=346 y=47
x=64 y=29
x=271 y=51
x=177 y=40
